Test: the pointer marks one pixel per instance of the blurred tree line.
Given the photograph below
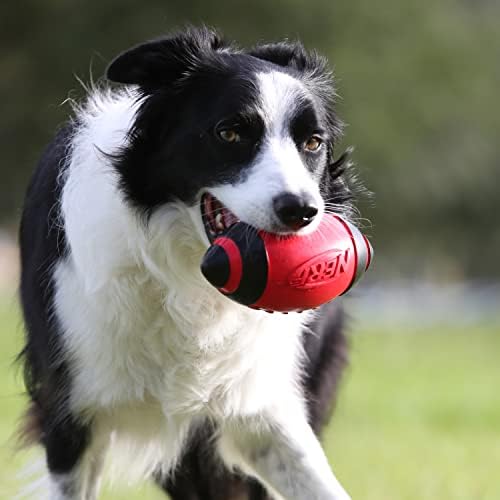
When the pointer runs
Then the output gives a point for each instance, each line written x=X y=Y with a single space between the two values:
x=418 y=82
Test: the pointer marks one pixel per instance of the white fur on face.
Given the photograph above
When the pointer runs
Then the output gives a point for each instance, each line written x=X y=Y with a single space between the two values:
x=278 y=169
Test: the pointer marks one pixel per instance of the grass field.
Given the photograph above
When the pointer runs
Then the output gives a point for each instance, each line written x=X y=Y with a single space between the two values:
x=418 y=417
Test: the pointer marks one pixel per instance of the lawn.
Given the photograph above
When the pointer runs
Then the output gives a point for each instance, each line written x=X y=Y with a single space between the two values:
x=418 y=417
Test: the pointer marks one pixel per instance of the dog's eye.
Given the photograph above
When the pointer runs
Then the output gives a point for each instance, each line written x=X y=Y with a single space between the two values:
x=313 y=143
x=229 y=135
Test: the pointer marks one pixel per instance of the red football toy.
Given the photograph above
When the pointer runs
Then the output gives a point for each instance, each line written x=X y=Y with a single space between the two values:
x=287 y=273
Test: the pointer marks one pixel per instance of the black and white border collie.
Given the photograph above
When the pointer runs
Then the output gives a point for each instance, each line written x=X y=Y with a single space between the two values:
x=130 y=353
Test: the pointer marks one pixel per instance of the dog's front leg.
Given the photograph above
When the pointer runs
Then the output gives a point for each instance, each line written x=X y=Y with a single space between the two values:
x=284 y=454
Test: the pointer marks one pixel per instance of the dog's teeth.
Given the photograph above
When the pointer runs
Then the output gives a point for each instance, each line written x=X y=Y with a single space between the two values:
x=219 y=223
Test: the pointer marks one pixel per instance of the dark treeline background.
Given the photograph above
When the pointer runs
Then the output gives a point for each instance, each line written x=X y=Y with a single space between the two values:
x=419 y=83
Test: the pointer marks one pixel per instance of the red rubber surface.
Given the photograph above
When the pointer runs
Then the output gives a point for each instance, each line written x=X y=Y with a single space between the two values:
x=308 y=271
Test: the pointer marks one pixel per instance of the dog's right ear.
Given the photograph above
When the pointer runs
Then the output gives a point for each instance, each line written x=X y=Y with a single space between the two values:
x=163 y=61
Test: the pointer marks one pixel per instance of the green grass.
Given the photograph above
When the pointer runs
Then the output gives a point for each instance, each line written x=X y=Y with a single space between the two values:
x=418 y=417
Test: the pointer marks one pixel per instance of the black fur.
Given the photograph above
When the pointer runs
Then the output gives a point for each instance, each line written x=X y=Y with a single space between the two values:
x=47 y=377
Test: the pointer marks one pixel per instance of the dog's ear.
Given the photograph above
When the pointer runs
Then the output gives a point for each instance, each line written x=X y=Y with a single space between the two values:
x=291 y=54
x=163 y=61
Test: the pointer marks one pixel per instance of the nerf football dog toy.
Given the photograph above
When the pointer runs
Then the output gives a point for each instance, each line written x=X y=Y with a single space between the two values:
x=287 y=273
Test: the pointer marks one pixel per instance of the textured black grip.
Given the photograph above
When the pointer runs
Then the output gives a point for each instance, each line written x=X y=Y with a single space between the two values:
x=255 y=265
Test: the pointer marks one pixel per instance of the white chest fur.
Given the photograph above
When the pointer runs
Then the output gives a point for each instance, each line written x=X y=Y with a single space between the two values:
x=132 y=341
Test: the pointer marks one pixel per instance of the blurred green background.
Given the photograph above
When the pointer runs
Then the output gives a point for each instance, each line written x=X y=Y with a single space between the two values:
x=419 y=415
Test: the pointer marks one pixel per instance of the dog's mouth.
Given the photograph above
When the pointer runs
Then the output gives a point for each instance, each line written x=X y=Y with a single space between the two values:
x=217 y=218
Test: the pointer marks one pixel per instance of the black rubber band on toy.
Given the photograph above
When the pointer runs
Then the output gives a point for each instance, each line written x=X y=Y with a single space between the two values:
x=255 y=266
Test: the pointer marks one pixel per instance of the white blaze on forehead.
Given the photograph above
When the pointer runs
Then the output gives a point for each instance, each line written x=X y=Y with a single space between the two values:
x=280 y=94
x=279 y=167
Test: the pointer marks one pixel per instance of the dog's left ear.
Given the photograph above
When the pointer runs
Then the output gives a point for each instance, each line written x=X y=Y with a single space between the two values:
x=289 y=54
x=163 y=61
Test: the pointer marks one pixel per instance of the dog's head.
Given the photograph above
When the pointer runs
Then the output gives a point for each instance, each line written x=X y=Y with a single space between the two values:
x=237 y=134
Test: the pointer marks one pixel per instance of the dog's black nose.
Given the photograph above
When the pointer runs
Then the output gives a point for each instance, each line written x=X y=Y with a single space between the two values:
x=294 y=211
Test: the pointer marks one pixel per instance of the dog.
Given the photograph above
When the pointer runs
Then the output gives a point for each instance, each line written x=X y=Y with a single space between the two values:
x=129 y=352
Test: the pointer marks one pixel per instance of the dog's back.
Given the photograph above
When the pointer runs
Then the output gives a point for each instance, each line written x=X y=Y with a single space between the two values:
x=42 y=244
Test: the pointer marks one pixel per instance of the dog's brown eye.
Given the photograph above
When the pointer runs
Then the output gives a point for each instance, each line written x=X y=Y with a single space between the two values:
x=229 y=135
x=313 y=143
